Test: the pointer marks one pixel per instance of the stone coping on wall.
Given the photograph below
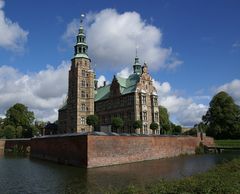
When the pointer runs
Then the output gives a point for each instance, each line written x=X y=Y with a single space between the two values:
x=107 y=134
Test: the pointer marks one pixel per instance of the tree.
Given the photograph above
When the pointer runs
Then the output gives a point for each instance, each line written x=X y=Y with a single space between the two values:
x=18 y=115
x=137 y=124
x=92 y=120
x=165 y=123
x=154 y=127
x=21 y=119
x=117 y=123
x=177 y=129
x=223 y=117
x=9 y=132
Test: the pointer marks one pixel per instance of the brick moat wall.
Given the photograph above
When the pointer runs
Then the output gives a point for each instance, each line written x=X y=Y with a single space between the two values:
x=8 y=145
x=93 y=151
x=71 y=150
x=110 y=150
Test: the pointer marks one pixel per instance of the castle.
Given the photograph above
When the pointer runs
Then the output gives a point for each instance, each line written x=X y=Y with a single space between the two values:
x=133 y=98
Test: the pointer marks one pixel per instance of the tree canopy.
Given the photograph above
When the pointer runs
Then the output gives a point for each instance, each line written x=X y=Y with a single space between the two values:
x=154 y=126
x=92 y=120
x=117 y=123
x=18 y=115
x=137 y=124
x=223 y=117
x=18 y=122
x=165 y=123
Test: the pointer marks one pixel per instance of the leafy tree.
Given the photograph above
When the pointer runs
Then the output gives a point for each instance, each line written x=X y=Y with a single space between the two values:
x=165 y=123
x=177 y=129
x=137 y=124
x=92 y=120
x=18 y=115
x=9 y=132
x=18 y=131
x=117 y=123
x=154 y=127
x=223 y=117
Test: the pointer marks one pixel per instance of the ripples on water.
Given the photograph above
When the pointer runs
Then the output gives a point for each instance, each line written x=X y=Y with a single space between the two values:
x=24 y=175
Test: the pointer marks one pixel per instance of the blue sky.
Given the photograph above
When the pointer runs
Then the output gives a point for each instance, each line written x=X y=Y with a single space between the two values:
x=192 y=49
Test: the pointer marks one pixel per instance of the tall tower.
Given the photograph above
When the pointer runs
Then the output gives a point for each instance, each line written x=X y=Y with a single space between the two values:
x=80 y=102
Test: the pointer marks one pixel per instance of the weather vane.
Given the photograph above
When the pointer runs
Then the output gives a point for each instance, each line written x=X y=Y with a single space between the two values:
x=82 y=17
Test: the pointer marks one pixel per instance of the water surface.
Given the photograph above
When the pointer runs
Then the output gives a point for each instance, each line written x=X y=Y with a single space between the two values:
x=24 y=175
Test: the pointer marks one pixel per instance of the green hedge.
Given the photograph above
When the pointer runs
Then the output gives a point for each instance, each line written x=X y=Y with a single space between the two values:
x=224 y=178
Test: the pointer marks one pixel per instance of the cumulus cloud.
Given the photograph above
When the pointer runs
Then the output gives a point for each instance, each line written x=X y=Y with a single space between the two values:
x=232 y=88
x=101 y=81
x=43 y=92
x=183 y=111
x=12 y=36
x=112 y=39
x=125 y=72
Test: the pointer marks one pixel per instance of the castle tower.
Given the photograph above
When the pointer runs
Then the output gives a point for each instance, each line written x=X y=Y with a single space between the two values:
x=80 y=103
x=137 y=68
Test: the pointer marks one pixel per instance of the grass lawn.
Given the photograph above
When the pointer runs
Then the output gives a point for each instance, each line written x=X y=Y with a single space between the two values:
x=228 y=143
x=223 y=179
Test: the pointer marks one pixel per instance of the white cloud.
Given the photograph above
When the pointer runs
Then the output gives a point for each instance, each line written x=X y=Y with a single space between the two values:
x=183 y=111
x=12 y=36
x=42 y=92
x=112 y=38
x=124 y=72
x=101 y=81
x=232 y=88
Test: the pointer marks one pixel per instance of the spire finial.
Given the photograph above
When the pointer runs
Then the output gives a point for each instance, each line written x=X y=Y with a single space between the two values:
x=81 y=19
x=137 y=51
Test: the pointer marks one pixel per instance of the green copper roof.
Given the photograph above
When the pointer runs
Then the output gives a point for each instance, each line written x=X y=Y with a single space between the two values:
x=127 y=85
x=102 y=93
x=81 y=55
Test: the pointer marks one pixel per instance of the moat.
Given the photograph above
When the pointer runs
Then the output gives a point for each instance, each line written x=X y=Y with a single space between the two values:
x=24 y=175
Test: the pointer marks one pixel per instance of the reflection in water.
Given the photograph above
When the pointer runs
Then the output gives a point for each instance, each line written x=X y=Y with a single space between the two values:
x=23 y=175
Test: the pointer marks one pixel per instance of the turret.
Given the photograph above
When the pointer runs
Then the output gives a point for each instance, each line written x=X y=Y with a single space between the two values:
x=81 y=46
x=137 y=68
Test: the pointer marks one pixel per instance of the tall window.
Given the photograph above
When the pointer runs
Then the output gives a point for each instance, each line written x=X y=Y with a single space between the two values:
x=143 y=99
x=155 y=101
x=145 y=129
x=145 y=116
x=83 y=94
x=83 y=107
x=83 y=73
x=156 y=116
x=83 y=83
x=83 y=121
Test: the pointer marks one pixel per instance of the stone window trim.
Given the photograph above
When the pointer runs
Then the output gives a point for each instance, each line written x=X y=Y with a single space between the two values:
x=83 y=120
x=143 y=99
x=83 y=107
x=144 y=115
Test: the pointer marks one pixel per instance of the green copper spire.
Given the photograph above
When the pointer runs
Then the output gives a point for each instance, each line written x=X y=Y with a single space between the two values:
x=137 y=68
x=81 y=46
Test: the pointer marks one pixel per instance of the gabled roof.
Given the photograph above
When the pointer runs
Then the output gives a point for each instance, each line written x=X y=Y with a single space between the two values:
x=127 y=85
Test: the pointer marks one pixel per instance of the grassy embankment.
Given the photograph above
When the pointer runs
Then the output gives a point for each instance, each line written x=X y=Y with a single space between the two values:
x=224 y=178
x=228 y=143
